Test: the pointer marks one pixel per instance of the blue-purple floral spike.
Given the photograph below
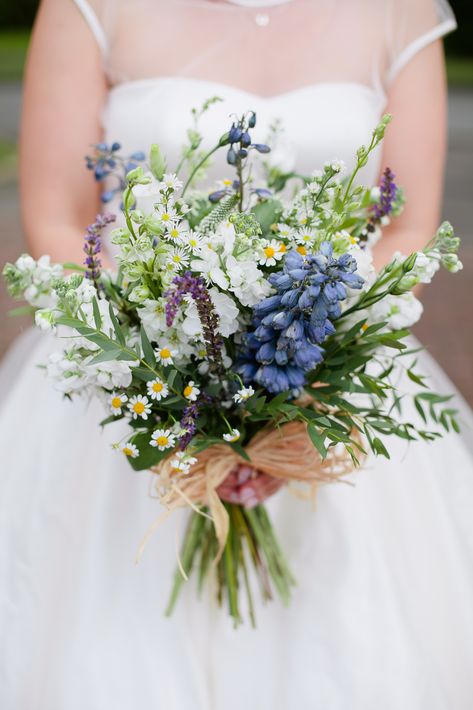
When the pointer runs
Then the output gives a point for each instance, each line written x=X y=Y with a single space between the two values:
x=388 y=193
x=187 y=284
x=290 y=326
x=93 y=246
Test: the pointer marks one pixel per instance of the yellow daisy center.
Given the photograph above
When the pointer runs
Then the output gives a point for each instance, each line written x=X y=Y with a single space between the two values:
x=269 y=252
x=282 y=248
x=353 y=240
x=364 y=326
x=116 y=403
x=227 y=182
x=162 y=441
x=188 y=390
x=157 y=386
x=165 y=216
x=174 y=233
x=127 y=451
x=165 y=353
x=302 y=250
x=139 y=407
x=176 y=258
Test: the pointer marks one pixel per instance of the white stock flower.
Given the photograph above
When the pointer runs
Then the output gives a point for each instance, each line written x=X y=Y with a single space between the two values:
x=210 y=267
x=147 y=195
x=247 y=282
x=153 y=317
x=425 y=267
x=398 y=311
x=227 y=312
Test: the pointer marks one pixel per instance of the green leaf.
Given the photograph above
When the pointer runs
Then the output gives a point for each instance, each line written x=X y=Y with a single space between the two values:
x=267 y=213
x=238 y=449
x=148 y=351
x=317 y=439
x=106 y=356
x=149 y=455
x=116 y=326
x=97 y=314
x=379 y=448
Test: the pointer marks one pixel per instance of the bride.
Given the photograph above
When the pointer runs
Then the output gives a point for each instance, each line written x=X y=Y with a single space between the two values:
x=383 y=615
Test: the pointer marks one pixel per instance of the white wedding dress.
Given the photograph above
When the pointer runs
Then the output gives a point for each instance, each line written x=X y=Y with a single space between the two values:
x=382 y=616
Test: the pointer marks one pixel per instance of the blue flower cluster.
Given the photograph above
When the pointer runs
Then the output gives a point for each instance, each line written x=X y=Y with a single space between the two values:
x=291 y=325
x=106 y=162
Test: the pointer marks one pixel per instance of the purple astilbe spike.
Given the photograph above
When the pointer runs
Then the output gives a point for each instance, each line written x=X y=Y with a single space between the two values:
x=93 y=246
x=188 y=424
x=196 y=288
x=388 y=191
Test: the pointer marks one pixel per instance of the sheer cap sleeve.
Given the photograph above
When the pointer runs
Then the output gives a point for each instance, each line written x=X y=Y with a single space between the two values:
x=93 y=13
x=412 y=25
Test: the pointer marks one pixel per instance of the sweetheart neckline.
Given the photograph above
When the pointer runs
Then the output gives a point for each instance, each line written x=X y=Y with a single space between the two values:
x=381 y=96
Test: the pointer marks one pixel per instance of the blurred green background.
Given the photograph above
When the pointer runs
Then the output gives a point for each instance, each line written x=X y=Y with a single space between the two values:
x=446 y=328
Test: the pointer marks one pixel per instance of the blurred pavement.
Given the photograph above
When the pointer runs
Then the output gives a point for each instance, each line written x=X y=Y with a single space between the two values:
x=446 y=328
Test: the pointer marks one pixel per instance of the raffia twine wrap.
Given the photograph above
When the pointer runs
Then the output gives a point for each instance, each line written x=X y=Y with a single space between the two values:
x=286 y=452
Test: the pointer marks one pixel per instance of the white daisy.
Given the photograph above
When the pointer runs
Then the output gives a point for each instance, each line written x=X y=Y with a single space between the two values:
x=271 y=253
x=162 y=439
x=157 y=389
x=183 y=462
x=284 y=230
x=116 y=403
x=167 y=214
x=130 y=450
x=305 y=237
x=194 y=241
x=176 y=232
x=170 y=181
x=139 y=406
x=165 y=354
x=243 y=394
x=191 y=391
x=177 y=258
x=232 y=436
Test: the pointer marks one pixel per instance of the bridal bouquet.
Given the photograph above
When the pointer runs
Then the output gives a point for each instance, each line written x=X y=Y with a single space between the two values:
x=245 y=340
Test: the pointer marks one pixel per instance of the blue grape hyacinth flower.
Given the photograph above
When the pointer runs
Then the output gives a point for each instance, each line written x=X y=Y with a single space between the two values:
x=291 y=325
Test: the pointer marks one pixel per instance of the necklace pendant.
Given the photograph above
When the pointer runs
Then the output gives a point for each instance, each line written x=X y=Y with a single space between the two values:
x=262 y=19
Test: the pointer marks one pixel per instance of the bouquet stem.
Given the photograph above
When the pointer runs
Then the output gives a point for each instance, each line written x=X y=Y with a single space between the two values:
x=251 y=542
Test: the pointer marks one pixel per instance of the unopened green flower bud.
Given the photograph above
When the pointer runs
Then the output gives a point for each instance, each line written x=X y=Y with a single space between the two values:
x=119 y=236
x=452 y=263
x=405 y=284
x=139 y=294
x=409 y=263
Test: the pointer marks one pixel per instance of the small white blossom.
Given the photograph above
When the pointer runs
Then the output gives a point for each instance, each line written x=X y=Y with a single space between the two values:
x=157 y=389
x=177 y=258
x=191 y=391
x=176 y=232
x=167 y=214
x=116 y=403
x=170 y=181
x=183 y=462
x=139 y=406
x=271 y=253
x=130 y=450
x=243 y=394
x=162 y=439
x=165 y=354
x=232 y=436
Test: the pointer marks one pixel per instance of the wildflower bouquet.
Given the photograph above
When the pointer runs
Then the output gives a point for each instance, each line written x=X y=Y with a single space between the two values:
x=245 y=339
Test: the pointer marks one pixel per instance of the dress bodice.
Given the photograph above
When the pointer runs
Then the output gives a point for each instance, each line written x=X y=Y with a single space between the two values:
x=319 y=122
